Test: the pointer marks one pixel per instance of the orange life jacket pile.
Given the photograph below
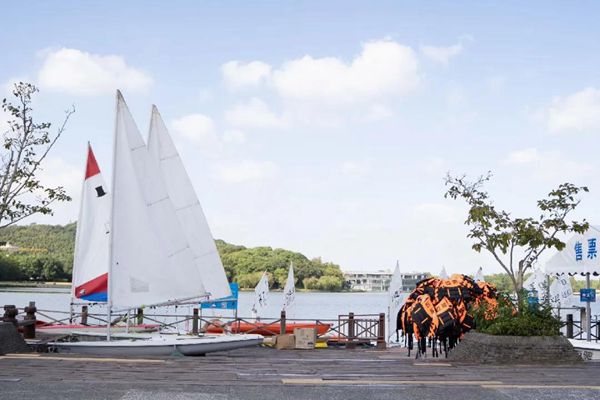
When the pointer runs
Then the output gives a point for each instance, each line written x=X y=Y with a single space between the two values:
x=439 y=310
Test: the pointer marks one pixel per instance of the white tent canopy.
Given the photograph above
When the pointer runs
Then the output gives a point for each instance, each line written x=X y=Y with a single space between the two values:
x=580 y=255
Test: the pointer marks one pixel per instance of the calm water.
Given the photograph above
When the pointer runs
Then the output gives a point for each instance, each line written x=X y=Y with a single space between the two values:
x=313 y=305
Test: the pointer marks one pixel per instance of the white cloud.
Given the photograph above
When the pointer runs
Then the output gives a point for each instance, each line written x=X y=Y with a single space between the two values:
x=197 y=128
x=237 y=74
x=57 y=172
x=383 y=68
x=550 y=166
x=356 y=168
x=577 y=112
x=435 y=167
x=441 y=55
x=437 y=212
x=378 y=112
x=81 y=73
x=234 y=136
x=245 y=171
x=524 y=156
x=253 y=114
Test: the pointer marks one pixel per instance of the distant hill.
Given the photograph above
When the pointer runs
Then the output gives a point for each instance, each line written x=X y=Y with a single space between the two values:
x=46 y=253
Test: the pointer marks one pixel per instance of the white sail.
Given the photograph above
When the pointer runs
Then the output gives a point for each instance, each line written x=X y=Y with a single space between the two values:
x=479 y=275
x=261 y=293
x=289 y=291
x=561 y=292
x=536 y=282
x=394 y=298
x=91 y=258
x=443 y=273
x=188 y=208
x=151 y=262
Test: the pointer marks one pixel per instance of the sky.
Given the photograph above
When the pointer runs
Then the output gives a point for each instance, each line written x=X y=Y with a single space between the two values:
x=327 y=127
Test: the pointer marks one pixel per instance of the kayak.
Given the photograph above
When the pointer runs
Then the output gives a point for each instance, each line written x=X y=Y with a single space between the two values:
x=262 y=328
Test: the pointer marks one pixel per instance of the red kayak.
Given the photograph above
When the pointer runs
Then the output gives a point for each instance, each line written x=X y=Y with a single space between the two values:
x=264 y=329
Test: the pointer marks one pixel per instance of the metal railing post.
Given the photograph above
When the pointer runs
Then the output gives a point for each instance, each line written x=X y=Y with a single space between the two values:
x=10 y=314
x=29 y=326
x=351 y=339
x=195 y=322
x=381 y=332
x=84 y=315
x=282 y=327
x=569 y=326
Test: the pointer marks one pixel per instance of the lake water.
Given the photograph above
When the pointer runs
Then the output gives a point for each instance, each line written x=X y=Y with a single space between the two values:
x=308 y=305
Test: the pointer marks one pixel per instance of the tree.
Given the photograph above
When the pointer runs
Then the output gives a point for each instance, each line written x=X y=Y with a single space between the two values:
x=516 y=243
x=25 y=146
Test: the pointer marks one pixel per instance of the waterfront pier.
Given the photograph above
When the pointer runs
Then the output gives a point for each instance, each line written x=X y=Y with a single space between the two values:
x=265 y=373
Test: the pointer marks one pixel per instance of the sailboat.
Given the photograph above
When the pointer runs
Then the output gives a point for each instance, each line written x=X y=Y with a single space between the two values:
x=261 y=293
x=187 y=208
x=90 y=261
x=394 y=300
x=150 y=261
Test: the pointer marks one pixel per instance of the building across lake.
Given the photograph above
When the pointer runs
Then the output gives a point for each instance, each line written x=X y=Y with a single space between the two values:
x=379 y=281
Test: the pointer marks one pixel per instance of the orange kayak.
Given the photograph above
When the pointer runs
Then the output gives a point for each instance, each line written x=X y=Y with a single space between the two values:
x=261 y=328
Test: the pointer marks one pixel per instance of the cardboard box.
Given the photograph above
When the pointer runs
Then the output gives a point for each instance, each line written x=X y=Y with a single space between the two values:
x=285 y=342
x=305 y=338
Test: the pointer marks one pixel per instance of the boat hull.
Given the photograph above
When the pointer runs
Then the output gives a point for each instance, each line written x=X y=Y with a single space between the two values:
x=100 y=329
x=589 y=351
x=157 y=346
x=266 y=329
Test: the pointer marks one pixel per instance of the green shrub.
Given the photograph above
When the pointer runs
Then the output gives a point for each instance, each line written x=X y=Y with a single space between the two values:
x=527 y=321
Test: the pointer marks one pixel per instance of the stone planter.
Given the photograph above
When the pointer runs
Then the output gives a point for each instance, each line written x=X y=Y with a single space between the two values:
x=10 y=340
x=483 y=348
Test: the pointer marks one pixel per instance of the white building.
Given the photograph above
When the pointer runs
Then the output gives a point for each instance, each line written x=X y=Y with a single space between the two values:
x=379 y=281
x=9 y=248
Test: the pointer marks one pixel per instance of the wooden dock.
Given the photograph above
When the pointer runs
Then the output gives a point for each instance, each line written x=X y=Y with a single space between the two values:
x=265 y=373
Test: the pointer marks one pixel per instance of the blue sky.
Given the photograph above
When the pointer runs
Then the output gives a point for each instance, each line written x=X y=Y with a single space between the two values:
x=328 y=128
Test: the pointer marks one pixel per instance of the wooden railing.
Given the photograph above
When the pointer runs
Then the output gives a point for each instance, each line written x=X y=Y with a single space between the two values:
x=349 y=330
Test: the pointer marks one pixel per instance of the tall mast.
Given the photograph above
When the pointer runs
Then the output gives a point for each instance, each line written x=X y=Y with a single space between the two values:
x=110 y=232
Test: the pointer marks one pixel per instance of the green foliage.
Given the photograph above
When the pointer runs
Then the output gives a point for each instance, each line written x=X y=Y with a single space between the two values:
x=10 y=269
x=516 y=243
x=502 y=282
x=249 y=280
x=46 y=253
x=246 y=265
x=53 y=242
x=528 y=321
x=329 y=283
x=578 y=285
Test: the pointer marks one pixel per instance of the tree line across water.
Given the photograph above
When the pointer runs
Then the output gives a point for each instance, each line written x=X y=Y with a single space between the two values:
x=45 y=253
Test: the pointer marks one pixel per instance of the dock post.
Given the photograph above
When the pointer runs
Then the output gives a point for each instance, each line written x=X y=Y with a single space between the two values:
x=140 y=316
x=583 y=317
x=381 y=332
x=195 y=322
x=84 y=315
x=282 y=323
x=29 y=326
x=569 y=326
x=350 y=344
x=10 y=314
